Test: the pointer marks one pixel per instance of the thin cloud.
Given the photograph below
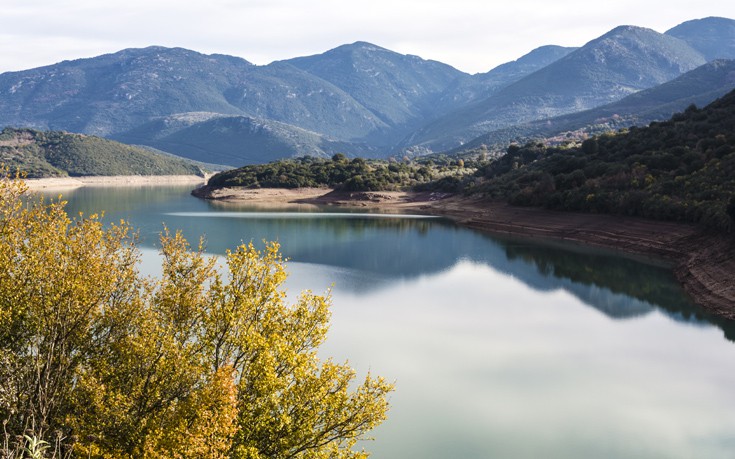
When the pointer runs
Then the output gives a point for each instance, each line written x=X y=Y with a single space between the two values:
x=471 y=35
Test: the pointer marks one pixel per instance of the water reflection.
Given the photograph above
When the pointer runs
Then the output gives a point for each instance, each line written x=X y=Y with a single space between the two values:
x=487 y=367
x=619 y=287
x=499 y=347
x=386 y=248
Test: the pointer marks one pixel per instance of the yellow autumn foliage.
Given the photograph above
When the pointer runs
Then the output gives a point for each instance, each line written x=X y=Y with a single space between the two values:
x=204 y=362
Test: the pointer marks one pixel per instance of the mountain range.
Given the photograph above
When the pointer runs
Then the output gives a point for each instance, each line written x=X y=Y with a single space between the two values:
x=698 y=87
x=362 y=99
x=621 y=62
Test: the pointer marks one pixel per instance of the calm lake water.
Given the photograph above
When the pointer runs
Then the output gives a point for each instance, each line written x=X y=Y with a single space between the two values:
x=499 y=348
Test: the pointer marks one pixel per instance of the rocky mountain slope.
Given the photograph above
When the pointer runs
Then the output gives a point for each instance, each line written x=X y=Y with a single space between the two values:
x=623 y=61
x=115 y=92
x=713 y=37
x=401 y=90
x=699 y=87
x=473 y=88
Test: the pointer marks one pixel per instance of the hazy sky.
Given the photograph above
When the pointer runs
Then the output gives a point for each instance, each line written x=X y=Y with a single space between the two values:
x=472 y=35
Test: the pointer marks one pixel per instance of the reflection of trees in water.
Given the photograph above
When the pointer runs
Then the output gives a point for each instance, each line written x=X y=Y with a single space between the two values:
x=651 y=285
x=301 y=235
x=391 y=249
x=396 y=249
x=117 y=200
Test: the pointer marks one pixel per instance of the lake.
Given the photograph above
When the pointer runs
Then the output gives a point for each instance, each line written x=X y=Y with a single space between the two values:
x=499 y=348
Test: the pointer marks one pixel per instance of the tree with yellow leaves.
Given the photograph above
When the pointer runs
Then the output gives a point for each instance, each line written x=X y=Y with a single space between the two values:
x=203 y=362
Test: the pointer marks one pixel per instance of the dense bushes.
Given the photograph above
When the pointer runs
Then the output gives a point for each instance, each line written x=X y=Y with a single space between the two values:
x=349 y=175
x=681 y=170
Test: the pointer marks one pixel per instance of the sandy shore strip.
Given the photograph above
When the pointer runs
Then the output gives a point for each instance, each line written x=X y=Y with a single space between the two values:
x=387 y=201
x=116 y=180
x=704 y=263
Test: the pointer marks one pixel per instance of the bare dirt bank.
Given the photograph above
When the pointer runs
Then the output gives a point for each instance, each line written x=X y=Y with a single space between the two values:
x=704 y=263
x=116 y=180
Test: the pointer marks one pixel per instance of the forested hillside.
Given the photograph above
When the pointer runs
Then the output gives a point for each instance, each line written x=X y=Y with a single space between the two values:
x=341 y=173
x=55 y=154
x=682 y=170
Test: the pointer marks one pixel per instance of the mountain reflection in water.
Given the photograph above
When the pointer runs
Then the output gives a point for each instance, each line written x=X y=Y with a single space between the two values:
x=390 y=248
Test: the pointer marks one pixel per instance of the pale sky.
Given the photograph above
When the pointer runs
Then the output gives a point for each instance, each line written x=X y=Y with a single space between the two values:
x=471 y=35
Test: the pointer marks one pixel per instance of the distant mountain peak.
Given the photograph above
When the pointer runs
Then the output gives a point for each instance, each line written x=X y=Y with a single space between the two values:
x=538 y=57
x=358 y=46
x=714 y=37
x=399 y=89
x=152 y=49
x=366 y=45
x=160 y=48
x=544 y=49
x=627 y=31
x=627 y=28
x=158 y=52
x=708 y=20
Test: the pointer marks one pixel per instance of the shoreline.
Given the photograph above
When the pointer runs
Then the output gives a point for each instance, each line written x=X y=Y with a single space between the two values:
x=702 y=262
x=52 y=183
